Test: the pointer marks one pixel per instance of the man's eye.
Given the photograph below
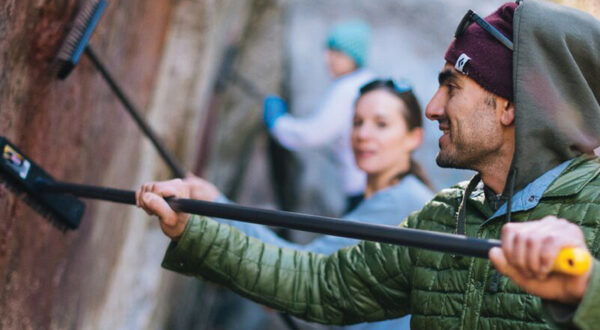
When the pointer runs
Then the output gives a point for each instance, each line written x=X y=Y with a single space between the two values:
x=451 y=88
x=357 y=123
x=381 y=124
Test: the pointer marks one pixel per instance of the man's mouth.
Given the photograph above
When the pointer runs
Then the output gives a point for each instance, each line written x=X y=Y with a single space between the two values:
x=444 y=126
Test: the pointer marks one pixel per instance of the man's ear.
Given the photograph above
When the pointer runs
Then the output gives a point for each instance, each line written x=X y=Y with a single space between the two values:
x=508 y=113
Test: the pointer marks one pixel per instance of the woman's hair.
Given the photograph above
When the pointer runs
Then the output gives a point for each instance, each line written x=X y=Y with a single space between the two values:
x=412 y=116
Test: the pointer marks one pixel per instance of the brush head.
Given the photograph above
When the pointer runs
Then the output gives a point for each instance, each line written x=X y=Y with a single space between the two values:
x=78 y=37
x=21 y=175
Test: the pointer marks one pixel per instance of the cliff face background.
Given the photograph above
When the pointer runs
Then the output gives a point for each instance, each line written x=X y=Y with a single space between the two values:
x=77 y=131
x=106 y=274
x=168 y=56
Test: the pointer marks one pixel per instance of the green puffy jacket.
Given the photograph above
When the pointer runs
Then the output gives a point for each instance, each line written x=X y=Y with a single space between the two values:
x=373 y=281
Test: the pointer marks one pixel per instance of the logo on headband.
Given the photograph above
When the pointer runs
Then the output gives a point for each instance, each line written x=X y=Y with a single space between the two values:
x=463 y=59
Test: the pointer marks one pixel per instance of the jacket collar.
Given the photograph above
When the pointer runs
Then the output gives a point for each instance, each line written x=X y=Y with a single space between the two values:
x=564 y=180
x=579 y=173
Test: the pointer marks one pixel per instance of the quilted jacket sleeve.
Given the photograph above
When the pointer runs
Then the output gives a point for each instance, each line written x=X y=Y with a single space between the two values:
x=366 y=282
x=586 y=315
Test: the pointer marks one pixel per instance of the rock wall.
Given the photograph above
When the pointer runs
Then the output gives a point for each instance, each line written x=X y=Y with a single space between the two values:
x=238 y=157
x=234 y=154
x=106 y=274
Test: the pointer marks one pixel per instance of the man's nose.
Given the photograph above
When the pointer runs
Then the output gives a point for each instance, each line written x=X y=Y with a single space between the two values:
x=435 y=107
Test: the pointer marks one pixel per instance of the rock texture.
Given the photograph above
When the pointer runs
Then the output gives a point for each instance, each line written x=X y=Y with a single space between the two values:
x=106 y=274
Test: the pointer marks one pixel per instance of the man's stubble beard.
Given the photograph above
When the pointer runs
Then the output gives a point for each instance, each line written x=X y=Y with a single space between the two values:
x=474 y=155
x=446 y=159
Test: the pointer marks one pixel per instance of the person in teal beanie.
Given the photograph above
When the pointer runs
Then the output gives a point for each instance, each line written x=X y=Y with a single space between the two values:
x=352 y=39
x=330 y=124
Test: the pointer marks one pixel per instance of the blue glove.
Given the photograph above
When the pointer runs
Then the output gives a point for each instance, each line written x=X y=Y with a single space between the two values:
x=274 y=108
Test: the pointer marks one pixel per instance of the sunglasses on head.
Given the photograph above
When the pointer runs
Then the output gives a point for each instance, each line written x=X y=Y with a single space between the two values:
x=398 y=86
x=472 y=17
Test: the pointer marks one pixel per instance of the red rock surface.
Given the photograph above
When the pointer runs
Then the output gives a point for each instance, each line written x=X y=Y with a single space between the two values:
x=77 y=131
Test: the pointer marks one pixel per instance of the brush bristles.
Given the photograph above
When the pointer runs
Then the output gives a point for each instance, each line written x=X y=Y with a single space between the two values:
x=78 y=36
x=38 y=207
x=48 y=214
x=10 y=186
x=21 y=175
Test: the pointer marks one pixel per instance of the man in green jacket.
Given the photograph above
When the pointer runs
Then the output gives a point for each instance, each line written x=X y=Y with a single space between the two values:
x=518 y=102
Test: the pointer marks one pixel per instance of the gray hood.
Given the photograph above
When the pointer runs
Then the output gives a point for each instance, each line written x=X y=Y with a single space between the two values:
x=556 y=75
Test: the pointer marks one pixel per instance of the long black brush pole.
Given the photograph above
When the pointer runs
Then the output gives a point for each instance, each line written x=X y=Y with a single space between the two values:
x=448 y=243
x=173 y=164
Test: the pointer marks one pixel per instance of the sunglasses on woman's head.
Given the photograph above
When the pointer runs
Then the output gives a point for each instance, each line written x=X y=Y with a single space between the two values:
x=401 y=86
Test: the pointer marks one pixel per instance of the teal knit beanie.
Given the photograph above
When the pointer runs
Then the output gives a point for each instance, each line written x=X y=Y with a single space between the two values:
x=352 y=39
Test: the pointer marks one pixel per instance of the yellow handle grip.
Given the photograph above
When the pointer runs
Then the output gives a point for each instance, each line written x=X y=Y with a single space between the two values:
x=572 y=261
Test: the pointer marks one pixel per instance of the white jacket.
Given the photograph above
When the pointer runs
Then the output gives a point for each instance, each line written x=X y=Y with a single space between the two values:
x=330 y=125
